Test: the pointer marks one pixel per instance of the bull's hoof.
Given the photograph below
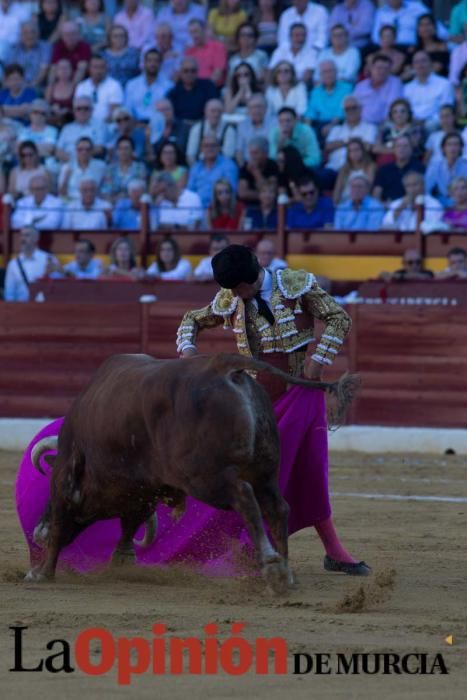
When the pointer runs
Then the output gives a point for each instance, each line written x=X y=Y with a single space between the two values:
x=276 y=573
x=123 y=557
x=36 y=576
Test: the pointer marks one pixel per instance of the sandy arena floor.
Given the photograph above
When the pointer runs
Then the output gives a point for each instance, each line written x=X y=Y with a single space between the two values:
x=416 y=598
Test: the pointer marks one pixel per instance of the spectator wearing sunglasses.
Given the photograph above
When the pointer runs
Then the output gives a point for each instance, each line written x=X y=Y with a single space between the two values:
x=412 y=269
x=190 y=94
x=313 y=211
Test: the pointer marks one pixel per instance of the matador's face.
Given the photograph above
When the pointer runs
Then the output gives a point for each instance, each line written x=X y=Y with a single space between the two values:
x=246 y=291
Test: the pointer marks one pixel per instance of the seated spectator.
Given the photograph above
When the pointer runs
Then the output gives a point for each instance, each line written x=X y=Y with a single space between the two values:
x=291 y=132
x=358 y=162
x=164 y=43
x=203 y=272
x=400 y=123
x=442 y=171
x=178 y=14
x=84 y=167
x=143 y=91
x=212 y=125
x=32 y=54
x=138 y=20
x=265 y=251
x=291 y=168
x=285 y=91
x=259 y=169
x=457 y=61
x=257 y=123
x=123 y=263
x=38 y=131
x=39 y=209
x=359 y=212
x=312 y=15
x=16 y=97
x=127 y=212
x=169 y=264
x=85 y=266
x=412 y=269
x=169 y=160
x=263 y=215
x=402 y=214
x=93 y=23
x=9 y=130
x=123 y=125
x=175 y=130
x=297 y=53
x=357 y=17
x=447 y=121
x=403 y=16
x=175 y=208
x=209 y=54
x=429 y=42
x=125 y=168
x=71 y=46
x=352 y=127
x=50 y=19
x=313 y=211
x=325 y=105
x=12 y=14
x=83 y=126
x=121 y=59
x=29 y=166
x=190 y=94
x=345 y=57
x=264 y=16
x=31 y=264
x=241 y=86
x=427 y=92
x=387 y=47
x=246 y=38
x=88 y=212
x=105 y=92
x=457 y=20
x=59 y=94
x=205 y=172
x=456 y=214
x=225 y=20
x=388 y=180
x=224 y=212
x=379 y=91
x=457 y=265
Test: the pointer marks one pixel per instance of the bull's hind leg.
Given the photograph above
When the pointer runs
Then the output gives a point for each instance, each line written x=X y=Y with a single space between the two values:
x=272 y=563
x=124 y=552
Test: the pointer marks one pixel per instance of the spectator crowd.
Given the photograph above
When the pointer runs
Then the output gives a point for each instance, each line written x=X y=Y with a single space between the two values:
x=208 y=112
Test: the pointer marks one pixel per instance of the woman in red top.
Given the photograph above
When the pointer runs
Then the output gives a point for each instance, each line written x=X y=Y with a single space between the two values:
x=224 y=212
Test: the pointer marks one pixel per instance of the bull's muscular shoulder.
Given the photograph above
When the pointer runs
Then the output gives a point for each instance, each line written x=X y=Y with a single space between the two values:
x=294 y=283
x=224 y=303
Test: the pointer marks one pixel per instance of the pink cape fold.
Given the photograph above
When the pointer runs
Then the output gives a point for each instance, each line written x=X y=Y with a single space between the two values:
x=204 y=535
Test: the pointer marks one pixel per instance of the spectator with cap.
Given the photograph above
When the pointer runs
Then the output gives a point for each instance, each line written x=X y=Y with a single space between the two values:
x=31 y=264
x=175 y=208
x=32 y=54
x=246 y=37
x=85 y=266
x=190 y=93
x=83 y=167
x=209 y=54
x=71 y=46
x=203 y=271
x=171 y=57
x=360 y=212
x=388 y=180
x=257 y=170
x=16 y=97
x=442 y=171
x=266 y=253
x=379 y=91
x=325 y=104
x=178 y=14
x=291 y=132
x=83 y=125
x=40 y=208
x=357 y=17
x=403 y=15
x=212 y=166
x=297 y=53
x=345 y=57
x=106 y=93
x=352 y=127
x=312 y=15
x=412 y=269
x=427 y=92
x=402 y=213
x=285 y=90
x=212 y=125
x=313 y=211
x=87 y=212
x=456 y=213
x=257 y=123
x=122 y=60
x=143 y=91
x=127 y=212
x=138 y=20
x=457 y=265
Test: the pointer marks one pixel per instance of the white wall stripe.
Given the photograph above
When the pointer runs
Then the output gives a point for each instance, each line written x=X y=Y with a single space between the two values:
x=398 y=497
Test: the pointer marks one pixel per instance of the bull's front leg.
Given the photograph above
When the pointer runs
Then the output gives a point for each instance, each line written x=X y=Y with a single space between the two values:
x=275 y=511
x=272 y=564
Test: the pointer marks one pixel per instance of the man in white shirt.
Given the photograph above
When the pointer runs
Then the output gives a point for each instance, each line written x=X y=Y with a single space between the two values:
x=353 y=127
x=312 y=15
x=402 y=214
x=427 y=92
x=12 y=14
x=212 y=125
x=89 y=213
x=401 y=14
x=84 y=124
x=174 y=209
x=266 y=254
x=39 y=209
x=31 y=264
x=303 y=57
x=203 y=271
x=106 y=93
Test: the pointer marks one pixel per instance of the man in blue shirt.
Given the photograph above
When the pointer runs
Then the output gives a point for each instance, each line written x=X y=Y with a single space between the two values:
x=325 y=104
x=127 y=212
x=205 y=172
x=313 y=211
x=85 y=265
x=143 y=92
x=360 y=212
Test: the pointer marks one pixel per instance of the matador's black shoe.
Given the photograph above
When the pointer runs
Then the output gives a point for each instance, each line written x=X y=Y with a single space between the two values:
x=357 y=569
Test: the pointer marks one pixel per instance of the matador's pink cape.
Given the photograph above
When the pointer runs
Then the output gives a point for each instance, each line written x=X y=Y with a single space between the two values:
x=203 y=535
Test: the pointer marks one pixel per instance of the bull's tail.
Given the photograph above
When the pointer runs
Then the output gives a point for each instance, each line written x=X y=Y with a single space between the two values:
x=47 y=444
x=150 y=532
x=343 y=390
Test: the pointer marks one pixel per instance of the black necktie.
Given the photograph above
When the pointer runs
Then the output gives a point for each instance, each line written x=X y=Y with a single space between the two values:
x=264 y=309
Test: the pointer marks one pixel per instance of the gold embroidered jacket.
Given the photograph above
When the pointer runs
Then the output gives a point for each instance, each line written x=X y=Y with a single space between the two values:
x=296 y=301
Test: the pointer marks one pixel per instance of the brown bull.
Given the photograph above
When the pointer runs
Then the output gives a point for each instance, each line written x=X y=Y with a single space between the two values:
x=148 y=431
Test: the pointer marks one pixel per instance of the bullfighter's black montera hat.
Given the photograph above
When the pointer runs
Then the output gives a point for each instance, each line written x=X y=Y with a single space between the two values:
x=234 y=265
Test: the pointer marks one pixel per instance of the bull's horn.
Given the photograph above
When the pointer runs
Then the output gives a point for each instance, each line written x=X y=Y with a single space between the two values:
x=47 y=444
x=150 y=532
